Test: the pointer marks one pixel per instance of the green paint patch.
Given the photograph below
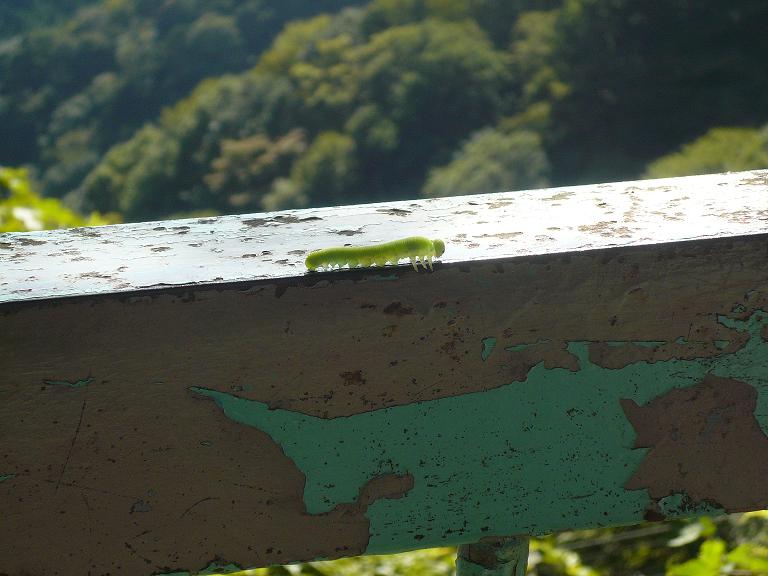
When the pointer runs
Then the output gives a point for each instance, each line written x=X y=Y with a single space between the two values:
x=220 y=568
x=214 y=568
x=648 y=343
x=484 y=463
x=641 y=343
x=681 y=340
x=523 y=346
x=383 y=278
x=681 y=505
x=5 y=477
x=488 y=345
x=722 y=344
x=77 y=384
x=734 y=324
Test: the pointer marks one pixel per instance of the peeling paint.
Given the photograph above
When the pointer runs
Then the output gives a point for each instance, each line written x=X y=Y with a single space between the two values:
x=705 y=442
x=6 y=477
x=643 y=343
x=76 y=384
x=523 y=346
x=504 y=441
x=216 y=567
x=678 y=503
x=703 y=342
x=488 y=345
x=578 y=332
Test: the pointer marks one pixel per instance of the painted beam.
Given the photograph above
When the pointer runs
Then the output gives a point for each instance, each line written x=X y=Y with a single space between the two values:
x=178 y=393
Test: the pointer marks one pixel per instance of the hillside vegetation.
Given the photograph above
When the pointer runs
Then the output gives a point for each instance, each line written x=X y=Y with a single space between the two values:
x=70 y=91
x=152 y=109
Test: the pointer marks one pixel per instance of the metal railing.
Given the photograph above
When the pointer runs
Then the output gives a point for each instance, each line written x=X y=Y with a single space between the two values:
x=174 y=392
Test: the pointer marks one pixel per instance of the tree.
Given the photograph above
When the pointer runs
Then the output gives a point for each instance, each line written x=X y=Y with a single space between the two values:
x=532 y=47
x=495 y=17
x=719 y=150
x=326 y=174
x=246 y=168
x=375 y=107
x=428 y=85
x=646 y=75
x=52 y=78
x=22 y=209
x=20 y=17
x=162 y=169
x=491 y=161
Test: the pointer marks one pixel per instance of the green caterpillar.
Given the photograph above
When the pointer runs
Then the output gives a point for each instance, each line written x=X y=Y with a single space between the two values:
x=413 y=248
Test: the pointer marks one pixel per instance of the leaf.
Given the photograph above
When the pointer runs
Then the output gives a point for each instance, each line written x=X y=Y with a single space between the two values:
x=708 y=562
x=701 y=528
x=750 y=557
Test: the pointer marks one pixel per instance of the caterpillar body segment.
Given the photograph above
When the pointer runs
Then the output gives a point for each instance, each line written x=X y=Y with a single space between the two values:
x=415 y=248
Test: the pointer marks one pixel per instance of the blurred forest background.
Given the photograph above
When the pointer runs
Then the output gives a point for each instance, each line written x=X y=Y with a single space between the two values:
x=150 y=109
x=128 y=110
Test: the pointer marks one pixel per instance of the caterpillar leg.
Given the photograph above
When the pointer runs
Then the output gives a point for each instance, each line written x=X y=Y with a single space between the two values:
x=428 y=259
x=414 y=260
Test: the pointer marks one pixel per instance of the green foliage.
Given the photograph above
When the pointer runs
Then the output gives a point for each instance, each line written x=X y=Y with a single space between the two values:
x=491 y=161
x=546 y=557
x=368 y=106
x=113 y=66
x=21 y=209
x=135 y=174
x=532 y=47
x=714 y=559
x=246 y=167
x=708 y=562
x=163 y=168
x=645 y=76
x=295 y=43
x=432 y=562
x=19 y=17
x=732 y=545
x=326 y=173
x=495 y=17
x=418 y=76
x=391 y=99
x=719 y=150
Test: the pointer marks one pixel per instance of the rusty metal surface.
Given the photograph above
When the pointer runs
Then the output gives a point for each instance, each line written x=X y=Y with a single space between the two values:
x=306 y=416
x=373 y=412
x=270 y=246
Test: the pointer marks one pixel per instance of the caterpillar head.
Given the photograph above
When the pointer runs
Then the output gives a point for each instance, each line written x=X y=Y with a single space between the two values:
x=313 y=260
x=439 y=247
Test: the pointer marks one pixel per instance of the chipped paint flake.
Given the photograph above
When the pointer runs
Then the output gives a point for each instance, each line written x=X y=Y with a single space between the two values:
x=76 y=384
x=704 y=441
x=504 y=442
x=488 y=345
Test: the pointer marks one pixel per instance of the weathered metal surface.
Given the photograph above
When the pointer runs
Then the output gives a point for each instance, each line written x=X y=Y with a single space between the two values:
x=325 y=415
x=271 y=246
